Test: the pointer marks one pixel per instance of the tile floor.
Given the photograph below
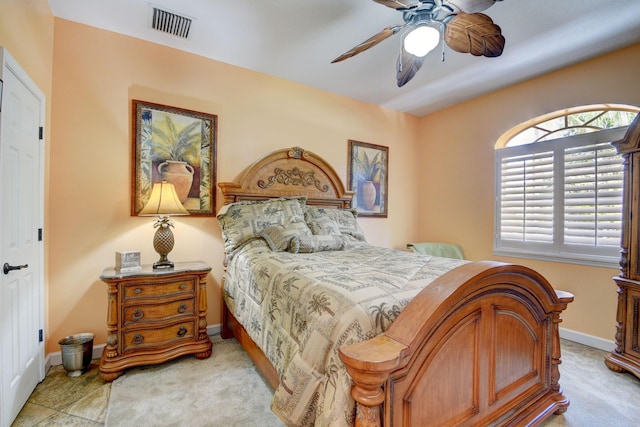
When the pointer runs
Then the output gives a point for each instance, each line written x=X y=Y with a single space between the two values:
x=64 y=401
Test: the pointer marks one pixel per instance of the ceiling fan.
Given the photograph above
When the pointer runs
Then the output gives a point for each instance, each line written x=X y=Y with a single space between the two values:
x=427 y=23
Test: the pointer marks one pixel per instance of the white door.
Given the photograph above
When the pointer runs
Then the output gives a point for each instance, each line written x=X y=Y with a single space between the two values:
x=21 y=246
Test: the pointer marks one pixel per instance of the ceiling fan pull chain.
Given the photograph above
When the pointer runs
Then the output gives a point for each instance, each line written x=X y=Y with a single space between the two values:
x=442 y=41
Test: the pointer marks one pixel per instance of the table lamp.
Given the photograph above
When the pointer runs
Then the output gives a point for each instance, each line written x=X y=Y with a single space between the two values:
x=164 y=203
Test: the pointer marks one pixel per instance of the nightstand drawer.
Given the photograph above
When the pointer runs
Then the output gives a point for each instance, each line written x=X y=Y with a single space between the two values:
x=155 y=337
x=141 y=313
x=151 y=289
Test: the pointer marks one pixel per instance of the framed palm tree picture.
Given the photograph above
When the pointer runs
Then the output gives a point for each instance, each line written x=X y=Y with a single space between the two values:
x=178 y=146
x=368 y=165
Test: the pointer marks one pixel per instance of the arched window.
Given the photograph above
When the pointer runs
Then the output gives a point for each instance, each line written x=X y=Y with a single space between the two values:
x=559 y=186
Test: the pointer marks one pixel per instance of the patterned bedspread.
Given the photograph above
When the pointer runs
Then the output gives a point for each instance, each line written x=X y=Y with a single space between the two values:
x=300 y=308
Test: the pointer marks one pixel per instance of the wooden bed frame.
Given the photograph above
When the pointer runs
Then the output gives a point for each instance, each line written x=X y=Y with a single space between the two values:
x=479 y=346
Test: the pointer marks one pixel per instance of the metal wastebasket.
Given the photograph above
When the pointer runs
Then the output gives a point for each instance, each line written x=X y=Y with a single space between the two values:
x=76 y=353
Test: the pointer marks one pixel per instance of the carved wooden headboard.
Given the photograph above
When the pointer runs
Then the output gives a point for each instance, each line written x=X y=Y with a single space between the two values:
x=287 y=173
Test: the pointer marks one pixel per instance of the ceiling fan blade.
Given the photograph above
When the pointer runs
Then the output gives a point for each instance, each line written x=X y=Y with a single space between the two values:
x=470 y=6
x=407 y=66
x=399 y=4
x=474 y=33
x=370 y=42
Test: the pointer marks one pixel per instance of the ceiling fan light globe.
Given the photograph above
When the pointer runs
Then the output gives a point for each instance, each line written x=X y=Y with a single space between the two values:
x=421 y=40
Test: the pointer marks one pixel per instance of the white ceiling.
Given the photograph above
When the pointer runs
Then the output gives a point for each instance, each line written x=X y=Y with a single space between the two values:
x=297 y=39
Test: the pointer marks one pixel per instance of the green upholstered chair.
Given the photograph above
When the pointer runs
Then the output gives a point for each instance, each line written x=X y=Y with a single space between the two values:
x=446 y=250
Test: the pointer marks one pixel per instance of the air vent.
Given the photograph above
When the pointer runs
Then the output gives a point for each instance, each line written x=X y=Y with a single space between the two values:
x=170 y=22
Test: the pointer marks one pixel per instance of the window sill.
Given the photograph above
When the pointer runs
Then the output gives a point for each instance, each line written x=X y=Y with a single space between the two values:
x=592 y=261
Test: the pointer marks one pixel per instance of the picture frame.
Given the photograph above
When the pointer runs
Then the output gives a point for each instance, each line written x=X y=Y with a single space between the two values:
x=367 y=177
x=127 y=262
x=1 y=83
x=176 y=145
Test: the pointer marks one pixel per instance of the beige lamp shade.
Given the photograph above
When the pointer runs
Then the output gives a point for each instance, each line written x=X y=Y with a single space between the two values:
x=163 y=201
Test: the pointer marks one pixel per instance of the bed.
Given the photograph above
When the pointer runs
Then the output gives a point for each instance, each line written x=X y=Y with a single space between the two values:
x=350 y=334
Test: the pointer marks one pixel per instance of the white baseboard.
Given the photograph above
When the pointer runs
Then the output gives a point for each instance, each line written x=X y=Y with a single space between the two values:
x=568 y=334
x=590 y=340
x=214 y=329
x=55 y=358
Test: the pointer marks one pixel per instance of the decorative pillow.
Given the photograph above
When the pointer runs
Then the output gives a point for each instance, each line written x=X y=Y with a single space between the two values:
x=243 y=221
x=333 y=222
x=278 y=236
x=307 y=244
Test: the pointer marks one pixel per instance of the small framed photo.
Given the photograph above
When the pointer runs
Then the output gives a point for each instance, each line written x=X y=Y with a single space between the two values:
x=178 y=146
x=367 y=174
x=128 y=262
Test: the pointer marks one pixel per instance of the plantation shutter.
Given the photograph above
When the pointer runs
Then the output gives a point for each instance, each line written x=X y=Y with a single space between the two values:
x=526 y=197
x=560 y=199
x=559 y=186
x=593 y=196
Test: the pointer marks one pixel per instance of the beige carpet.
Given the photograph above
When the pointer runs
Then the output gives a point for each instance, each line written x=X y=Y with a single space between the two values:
x=599 y=397
x=223 y=390
x=226 y=390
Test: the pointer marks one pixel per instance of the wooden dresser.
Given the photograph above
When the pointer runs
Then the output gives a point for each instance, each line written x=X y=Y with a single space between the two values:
x=154 y=316
x=626 y=355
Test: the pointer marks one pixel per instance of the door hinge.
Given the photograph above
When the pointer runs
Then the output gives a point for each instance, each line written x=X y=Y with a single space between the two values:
x=39 y=234
x=40 y=335
x=41 y=133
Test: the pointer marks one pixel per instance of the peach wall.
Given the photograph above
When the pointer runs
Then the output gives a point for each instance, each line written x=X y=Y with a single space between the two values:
x=26 y=30
x=90 y=76
x=97 y=73
x=461 y=190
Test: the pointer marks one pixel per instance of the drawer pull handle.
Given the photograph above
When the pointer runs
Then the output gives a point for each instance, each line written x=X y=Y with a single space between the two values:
x=182 y=331
x=138 y=339
x=183 y=286
x=182 y=308
x=137 y=315
x=138 y=291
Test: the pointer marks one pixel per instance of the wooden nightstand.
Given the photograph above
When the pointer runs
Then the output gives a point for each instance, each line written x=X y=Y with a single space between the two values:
x=154 y=316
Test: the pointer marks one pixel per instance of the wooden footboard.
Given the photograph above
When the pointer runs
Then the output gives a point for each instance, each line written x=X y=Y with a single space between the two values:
x=479 y=346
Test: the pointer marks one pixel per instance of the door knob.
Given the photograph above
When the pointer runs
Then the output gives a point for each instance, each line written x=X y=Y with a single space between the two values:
x=7 y=268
